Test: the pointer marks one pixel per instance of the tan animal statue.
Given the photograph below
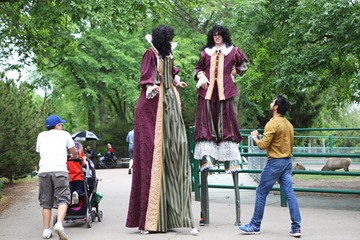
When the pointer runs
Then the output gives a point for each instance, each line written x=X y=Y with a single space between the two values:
x=337 y=163
x=298 y=166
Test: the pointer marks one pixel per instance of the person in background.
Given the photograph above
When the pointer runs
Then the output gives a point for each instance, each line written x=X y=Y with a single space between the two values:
x=278 y=140
x=216 y=132
x=160 y=197
x=89 y=152
x=109 y=149
x=109 y=154
x=52 y=145
x=130 y=141
x=76 y=175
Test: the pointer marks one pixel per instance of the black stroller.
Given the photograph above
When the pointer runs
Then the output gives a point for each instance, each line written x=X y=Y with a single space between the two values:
x=87 y=210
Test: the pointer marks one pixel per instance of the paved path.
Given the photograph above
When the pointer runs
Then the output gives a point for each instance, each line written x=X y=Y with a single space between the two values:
x=323 y=218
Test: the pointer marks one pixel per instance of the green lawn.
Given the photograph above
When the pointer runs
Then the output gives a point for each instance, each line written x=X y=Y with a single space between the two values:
x=323 y=177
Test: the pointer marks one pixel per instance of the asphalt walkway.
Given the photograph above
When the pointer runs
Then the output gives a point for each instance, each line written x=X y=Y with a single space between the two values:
x=330 y=218
x=322 y=217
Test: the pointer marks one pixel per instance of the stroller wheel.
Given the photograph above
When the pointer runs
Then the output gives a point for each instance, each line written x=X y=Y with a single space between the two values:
x=88 y=220
x=93 y=214
x=100 y=216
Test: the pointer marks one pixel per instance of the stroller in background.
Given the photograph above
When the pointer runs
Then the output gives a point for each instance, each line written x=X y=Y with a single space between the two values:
x=87 y=210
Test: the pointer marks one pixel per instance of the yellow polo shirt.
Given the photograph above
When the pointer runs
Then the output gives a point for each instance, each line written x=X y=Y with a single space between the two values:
x=278 y=138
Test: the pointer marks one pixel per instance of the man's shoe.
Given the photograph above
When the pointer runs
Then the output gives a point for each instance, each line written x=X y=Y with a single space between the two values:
x=202 y=222
x=47 y=233
x=59 y=229
x=295 y=233
x=249 y=229
x=129 y=172
x=74 y=198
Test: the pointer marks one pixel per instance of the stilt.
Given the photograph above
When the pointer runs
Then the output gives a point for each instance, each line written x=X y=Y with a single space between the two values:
x=204 y=215
x=235 y=176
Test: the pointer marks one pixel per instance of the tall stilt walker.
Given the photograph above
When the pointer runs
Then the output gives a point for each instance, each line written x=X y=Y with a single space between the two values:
x=217 y=134
x=160 y=196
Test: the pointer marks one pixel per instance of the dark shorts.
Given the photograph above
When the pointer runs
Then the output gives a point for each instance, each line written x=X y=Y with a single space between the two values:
x=53 y=189
x=131 y=152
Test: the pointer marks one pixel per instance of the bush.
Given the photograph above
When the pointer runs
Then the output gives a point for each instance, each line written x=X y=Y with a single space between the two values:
x=1 y=188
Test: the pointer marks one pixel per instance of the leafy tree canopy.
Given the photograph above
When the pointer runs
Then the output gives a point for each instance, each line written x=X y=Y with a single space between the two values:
x=87 y=57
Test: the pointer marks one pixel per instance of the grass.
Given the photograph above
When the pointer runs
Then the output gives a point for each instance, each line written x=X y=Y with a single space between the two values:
x=323 y=177
x=20 y=180
x=319 y=177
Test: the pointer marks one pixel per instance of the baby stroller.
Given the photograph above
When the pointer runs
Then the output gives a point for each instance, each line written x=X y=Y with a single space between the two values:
x=87 y=209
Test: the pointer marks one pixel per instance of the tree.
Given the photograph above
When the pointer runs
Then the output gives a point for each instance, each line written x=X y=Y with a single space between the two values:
x=62 y=39
x=305 y=49
x=21 y=120
x=88 y=53
x=346 y=116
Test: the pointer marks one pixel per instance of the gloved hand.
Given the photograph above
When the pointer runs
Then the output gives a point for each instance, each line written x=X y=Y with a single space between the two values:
x=152 y=91
x=178 y=82
x=202 y=79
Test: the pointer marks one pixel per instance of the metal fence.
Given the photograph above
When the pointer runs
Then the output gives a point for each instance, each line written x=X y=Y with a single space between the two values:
x=256 y=160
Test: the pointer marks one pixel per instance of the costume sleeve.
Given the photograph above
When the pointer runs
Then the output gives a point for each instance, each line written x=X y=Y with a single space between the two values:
x=148 y=68
x=200 y=66
x=241 y=62
x=175 y=71
x=269 y=133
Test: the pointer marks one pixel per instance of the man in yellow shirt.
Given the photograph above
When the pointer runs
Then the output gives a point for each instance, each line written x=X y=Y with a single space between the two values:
x=278 y=140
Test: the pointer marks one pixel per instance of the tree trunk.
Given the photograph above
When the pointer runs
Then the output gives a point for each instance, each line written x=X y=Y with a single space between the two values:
x=91 y=120
x=102 y=113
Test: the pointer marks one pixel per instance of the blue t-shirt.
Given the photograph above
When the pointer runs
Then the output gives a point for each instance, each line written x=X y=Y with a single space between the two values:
x=130 y=138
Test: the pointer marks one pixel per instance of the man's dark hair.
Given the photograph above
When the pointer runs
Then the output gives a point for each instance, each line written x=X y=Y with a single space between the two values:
x=161 y=39
x=223 y=31
x=282 y=103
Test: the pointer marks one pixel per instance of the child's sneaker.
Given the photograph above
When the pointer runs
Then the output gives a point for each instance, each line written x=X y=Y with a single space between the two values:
x=47 y=233
x=74 y=198
x=295 y=233
x=249 y=229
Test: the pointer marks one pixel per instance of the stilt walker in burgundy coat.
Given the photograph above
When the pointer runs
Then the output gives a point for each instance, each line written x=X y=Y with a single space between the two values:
x=217 y=134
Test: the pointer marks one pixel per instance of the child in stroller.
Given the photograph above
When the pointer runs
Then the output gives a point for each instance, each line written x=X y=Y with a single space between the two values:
x=76 y=176
x=86 y=206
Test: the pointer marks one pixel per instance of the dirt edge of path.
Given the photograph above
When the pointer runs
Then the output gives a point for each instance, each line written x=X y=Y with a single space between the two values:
x=13 y=191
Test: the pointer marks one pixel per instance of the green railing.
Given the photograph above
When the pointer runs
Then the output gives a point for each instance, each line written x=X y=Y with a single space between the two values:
x=196 y=179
